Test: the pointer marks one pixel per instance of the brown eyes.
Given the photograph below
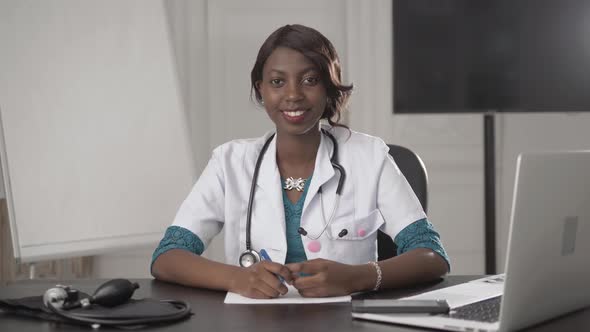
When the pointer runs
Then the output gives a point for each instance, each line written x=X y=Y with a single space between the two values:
x=309 y=81
x=276 y=82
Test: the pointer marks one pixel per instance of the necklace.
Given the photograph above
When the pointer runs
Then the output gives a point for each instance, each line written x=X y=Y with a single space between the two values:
x=291 y=183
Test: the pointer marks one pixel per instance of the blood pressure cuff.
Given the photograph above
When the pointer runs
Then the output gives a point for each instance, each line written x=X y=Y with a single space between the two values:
x=133 y=309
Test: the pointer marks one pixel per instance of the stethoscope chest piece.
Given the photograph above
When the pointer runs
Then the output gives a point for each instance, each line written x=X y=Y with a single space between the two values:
x=249 y=257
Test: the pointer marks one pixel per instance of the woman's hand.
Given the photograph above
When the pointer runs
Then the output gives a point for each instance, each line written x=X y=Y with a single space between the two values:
x=323 y=278
x=260 y=280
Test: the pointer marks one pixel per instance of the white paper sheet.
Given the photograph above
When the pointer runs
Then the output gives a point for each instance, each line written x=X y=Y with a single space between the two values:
x=291 y=297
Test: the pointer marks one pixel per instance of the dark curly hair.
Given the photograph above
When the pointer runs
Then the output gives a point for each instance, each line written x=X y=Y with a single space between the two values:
x=320 y=51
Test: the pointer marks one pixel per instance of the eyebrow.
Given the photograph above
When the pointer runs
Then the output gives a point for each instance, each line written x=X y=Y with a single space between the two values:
x=304 y=71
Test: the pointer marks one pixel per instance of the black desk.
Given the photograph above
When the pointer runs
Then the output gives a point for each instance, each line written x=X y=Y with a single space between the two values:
x=211 y=314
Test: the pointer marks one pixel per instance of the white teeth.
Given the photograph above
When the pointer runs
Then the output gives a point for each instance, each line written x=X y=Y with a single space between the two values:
x=294 y=113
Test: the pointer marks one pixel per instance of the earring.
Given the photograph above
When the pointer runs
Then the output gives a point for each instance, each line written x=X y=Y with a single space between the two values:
x=261 y=101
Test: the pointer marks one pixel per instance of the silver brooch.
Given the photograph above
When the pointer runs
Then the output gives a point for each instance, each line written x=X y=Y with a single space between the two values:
x=291 y=183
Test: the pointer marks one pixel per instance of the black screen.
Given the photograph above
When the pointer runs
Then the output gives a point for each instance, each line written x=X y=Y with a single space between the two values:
x=501 y=55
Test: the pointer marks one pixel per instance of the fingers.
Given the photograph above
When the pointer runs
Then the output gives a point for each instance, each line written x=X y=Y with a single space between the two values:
x=318 y=286
x=320 y=278
x=253 y=284
x=278 y=270
x=256 y=294
x=314 y=292
x=272 y=283
x=307 y=268
x=270 y=274
x=260 y=282
x=262 y=286
x=308 y=274
x=294 y=267
x=269 y=289
x=311 y=281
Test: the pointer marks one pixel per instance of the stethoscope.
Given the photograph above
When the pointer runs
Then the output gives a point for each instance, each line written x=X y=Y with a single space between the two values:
x=251 y=256
x=61 y=299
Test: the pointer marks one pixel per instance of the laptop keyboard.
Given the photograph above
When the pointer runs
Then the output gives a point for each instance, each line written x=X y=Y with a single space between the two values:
x=482 y=311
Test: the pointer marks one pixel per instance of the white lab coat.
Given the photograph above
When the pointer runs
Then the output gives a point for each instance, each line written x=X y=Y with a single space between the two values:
x=375 y=196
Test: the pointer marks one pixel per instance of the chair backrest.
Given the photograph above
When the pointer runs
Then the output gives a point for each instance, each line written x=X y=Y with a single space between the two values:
x=414 y=170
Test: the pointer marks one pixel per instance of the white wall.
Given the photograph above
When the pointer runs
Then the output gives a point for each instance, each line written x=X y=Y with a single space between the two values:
x=216 y=42
x=188 y=30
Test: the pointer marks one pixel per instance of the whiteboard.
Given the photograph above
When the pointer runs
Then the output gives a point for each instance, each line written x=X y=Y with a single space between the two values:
x=94 y=141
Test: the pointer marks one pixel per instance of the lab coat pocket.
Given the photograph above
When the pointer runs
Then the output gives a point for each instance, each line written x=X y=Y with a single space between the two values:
x=359 y=245
x=359 y=228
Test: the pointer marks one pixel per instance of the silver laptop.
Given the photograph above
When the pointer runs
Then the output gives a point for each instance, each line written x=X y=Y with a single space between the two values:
x=548 y=260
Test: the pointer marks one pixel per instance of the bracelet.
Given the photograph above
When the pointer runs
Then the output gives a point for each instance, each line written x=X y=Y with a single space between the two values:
x=379 y=275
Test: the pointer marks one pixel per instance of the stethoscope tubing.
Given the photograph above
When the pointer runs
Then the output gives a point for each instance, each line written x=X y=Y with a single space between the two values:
x=184 y=311
x=335 y=164
x=324 y=217
x=253 y=189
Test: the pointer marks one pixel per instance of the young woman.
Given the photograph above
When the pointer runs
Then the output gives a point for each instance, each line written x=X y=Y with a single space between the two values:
x=304 y=202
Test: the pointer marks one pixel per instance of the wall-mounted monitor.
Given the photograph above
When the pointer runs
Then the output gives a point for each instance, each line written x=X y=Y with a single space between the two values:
x=453 y=56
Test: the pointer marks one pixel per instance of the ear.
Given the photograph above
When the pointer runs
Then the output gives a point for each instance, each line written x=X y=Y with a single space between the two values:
x=257 y=85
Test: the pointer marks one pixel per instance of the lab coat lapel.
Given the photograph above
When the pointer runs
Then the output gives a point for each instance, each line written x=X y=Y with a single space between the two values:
x=323 y=172
x=269 y=202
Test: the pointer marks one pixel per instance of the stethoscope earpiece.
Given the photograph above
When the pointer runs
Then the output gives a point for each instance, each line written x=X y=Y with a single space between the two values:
x=303 y=232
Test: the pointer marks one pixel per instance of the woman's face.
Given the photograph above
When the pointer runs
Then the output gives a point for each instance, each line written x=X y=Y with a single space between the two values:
x=294 y=95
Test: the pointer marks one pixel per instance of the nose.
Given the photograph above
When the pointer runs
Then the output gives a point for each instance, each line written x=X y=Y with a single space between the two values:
x=293 y=92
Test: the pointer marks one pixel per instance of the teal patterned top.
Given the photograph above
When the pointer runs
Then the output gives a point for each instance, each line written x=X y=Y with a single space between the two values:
x=420 y=234
x=295 y=250
x=179 y=238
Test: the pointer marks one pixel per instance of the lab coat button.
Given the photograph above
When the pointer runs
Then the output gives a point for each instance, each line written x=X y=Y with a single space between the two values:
x=362 y=232
x=314 y=246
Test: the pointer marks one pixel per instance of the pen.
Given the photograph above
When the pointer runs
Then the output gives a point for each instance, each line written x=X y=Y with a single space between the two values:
x=266 y=257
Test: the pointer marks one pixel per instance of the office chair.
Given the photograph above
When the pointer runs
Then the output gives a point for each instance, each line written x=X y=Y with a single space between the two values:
x=414 y=170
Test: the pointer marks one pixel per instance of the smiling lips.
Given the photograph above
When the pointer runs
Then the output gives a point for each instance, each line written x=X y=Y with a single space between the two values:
x=294 y=116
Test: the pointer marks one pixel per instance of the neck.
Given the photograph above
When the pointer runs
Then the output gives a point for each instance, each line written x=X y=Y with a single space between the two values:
x=297 y=151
